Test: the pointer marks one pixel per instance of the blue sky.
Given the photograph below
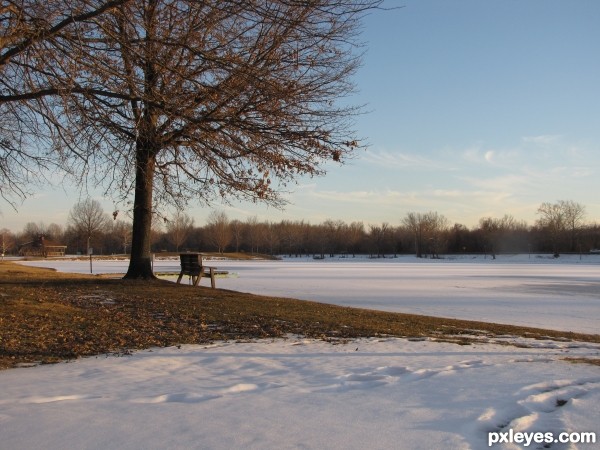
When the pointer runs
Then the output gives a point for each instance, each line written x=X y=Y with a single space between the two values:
x=473 y=109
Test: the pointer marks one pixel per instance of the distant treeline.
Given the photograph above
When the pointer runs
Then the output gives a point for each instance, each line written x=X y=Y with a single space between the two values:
x=560 y=228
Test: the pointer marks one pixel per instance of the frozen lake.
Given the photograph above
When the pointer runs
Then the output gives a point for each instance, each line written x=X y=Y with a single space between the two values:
x=561 y=294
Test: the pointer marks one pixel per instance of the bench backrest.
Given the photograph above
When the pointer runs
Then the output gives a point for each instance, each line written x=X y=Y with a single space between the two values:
x=191 y=263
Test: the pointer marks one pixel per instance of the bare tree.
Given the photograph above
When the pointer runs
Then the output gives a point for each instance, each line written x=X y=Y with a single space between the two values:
x=179 y=228
x=219 y=231
x=292 y=236
x=252 y=233
x=415 y=224
x=318 y=241
x=437 y=226
x=32 y=231
x=428 y=231
x=379 y=238
x=55 y=232
x=237 y=231
x=332 y=230
x=184 y=99
x=562 y=219
x=356 y=233
x=88 y=218
x=574 y=218
x=491 y=230
x=553 y=221
x=497 y=233
x=122 y=230
x=7 y=241
x=272 y=237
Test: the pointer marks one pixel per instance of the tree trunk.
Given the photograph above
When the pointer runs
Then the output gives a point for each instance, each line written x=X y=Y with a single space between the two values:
x=140 y=263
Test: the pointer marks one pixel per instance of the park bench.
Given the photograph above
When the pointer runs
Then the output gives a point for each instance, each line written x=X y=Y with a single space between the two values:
x=191 y=265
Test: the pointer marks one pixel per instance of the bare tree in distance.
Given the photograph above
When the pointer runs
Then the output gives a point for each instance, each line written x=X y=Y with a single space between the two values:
x=179 y=100
x=497 y=232
x=252 y=232
x=379 y=234
x=552 y=220
x=574 y=214
x=179 y=228
x=355 y=233
x=415 y=224
x=437 y=225
x=32 y=231
x=271 y=237
x=288 y=236
x=427 y=230
x=218 y=230
x=492 y=230
x=7 y=241
x=332 y=234
x=123 y=230
x=88 y=218
x=562 y=219
x=237 y=229
x=55 y=232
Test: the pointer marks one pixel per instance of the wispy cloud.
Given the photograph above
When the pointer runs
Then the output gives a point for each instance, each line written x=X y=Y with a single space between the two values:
x=544 y=139
x=363 y=197
x=500 y=183
x=401 y=160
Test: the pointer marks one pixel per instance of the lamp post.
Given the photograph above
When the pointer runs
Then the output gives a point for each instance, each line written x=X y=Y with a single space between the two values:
x=89 y=252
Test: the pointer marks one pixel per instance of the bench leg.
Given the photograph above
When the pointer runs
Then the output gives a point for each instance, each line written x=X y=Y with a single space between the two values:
x=196 y=279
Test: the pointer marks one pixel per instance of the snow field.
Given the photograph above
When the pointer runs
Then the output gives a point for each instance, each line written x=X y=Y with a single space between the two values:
x=298 y=393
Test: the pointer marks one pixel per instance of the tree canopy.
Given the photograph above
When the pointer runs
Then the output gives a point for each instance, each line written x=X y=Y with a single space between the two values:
x=32 y=34
x=176 y=100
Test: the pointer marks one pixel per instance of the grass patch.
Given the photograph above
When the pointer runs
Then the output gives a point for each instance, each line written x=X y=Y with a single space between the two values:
x=592 y=361
x=46 y=316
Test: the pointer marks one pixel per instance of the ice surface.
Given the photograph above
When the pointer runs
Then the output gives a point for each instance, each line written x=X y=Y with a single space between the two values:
x=540 y=291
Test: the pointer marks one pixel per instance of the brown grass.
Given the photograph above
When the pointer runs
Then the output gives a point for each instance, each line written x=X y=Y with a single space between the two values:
x=47 y=316
x=592 y=361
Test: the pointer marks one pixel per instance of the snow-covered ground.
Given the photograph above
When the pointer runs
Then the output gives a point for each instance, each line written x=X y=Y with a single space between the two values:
x=364 y=394
x=302 y=394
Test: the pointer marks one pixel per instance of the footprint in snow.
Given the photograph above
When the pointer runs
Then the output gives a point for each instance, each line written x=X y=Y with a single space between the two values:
x=449 y=370
x=57 y=398
x=370 y=378
x=178 y=398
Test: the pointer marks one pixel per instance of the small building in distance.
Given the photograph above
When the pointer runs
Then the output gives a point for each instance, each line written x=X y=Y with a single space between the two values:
x=42 y=247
